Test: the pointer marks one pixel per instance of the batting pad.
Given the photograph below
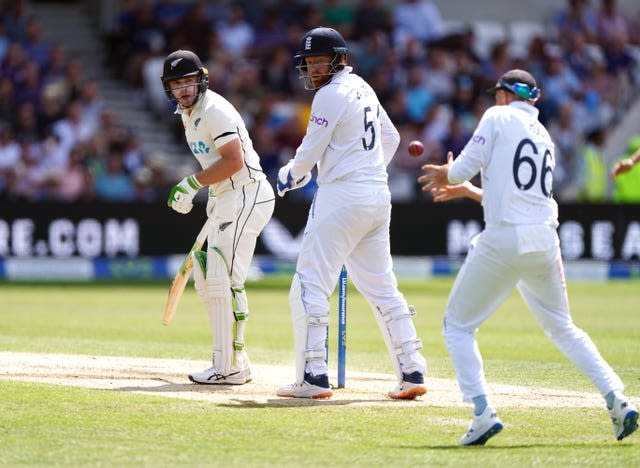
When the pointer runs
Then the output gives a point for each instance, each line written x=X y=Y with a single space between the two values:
x=215 y=293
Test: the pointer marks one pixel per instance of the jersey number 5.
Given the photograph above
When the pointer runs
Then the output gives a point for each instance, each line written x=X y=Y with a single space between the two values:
x=546 y=171
x=369 y=127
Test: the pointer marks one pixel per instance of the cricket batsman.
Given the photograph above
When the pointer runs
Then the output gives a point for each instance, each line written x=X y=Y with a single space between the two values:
x=240 y=204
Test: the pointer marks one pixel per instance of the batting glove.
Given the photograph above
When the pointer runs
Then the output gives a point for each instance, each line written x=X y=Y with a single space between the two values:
x=181 y=196
x=286 y=181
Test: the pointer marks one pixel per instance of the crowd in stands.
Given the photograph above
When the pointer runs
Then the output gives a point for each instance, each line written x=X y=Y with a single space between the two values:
x=59 y=140
x=428 y=71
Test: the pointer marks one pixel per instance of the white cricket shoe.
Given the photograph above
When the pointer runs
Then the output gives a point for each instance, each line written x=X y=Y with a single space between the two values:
x=412 y=386
x=311 y=387
x=407 y=391
x=212 y=376
x=482 y=428
x=624 y=417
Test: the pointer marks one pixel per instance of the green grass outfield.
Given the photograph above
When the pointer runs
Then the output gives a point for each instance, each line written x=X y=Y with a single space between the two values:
x=48 y=424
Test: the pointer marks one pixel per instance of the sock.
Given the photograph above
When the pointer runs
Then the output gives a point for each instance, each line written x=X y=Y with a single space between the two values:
x=480 y=403
x=610 y=397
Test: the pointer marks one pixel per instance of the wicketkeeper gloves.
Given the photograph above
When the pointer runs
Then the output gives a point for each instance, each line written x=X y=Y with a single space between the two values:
x=181 y=196
x=286 y=181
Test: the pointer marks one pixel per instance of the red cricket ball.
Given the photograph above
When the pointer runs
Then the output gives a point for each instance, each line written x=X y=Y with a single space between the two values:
x=416 y=148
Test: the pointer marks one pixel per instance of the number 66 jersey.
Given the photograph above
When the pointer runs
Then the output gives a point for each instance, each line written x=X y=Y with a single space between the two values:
x=516 y=157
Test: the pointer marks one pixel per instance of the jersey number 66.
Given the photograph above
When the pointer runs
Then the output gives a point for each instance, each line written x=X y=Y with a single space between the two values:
x=546 y=171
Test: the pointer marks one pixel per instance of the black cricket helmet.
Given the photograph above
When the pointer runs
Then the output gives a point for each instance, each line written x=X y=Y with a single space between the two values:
x=182 y=64
x=318 y=42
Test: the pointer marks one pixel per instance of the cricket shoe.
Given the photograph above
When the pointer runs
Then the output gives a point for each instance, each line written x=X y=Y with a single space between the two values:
x=482 y=428
x=412 y=386
x=313 y=386
x=212 y=376
x=624 y=417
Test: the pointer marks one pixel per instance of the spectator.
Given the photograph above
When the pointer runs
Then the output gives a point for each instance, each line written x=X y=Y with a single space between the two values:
x=4 y=40
x=13 y=62
x=499 y=62
x=270 y=34
x=114 y=184
x=26 y=127
x=91 y=102
x=51 y=106
x=9 y=156
x=74 y=128
x=591 y=174
x=275 y=73
x=7 y=104
x=561 y=84
x=31 y=180
x=16 y=19
x=580 y=56
x=418 y=97
x=338 y=16
x=143 y=185
x=55 y=68
x=373 y=50
x=577 y=16
x=371 y=16
x=439 y=77
x=74 y=182
x=418 y=19
x=144 y=39
x=55 y=157
x=73 y=79
x=35 y=47
x=169 y=12
x=193 y=31
x=567 y=137
x=612 y=24
x=235 y=33
x=29 y=85
x=133 y=155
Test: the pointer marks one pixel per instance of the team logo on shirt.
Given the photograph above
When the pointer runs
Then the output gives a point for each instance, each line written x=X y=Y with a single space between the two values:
x=319 y=120
x=478 y=139
x=195 y=124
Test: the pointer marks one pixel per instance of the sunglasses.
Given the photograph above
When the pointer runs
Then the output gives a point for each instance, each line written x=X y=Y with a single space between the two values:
x=522 y=90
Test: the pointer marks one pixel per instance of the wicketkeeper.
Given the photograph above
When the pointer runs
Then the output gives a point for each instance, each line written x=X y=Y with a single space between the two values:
x=350 y=139
x=240 y=204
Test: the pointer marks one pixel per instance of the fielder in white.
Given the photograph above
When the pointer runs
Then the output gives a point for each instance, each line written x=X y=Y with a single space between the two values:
x=518 y=247
x=240 y=204
x=351 y=140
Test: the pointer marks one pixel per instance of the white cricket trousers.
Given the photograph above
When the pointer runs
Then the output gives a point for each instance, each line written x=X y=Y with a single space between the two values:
x=529 y=258
x=238 y=218
x=350 y=226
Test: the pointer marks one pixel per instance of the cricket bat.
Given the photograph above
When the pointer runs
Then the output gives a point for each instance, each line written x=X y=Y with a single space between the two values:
x=182 y=277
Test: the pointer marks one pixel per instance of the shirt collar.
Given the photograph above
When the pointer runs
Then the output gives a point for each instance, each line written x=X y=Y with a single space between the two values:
x=528 y=108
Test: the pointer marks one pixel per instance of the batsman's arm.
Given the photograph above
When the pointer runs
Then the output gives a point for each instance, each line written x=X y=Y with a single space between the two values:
x=182 y=276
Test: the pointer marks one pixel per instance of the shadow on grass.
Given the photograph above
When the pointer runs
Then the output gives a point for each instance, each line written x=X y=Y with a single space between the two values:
x=534 y=445
x=226 y=396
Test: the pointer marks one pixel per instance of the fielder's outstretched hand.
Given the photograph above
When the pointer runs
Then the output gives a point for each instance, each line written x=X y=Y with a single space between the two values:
x=181 y=196
x=452 y=192
x=435 y=176
x=286 y=180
